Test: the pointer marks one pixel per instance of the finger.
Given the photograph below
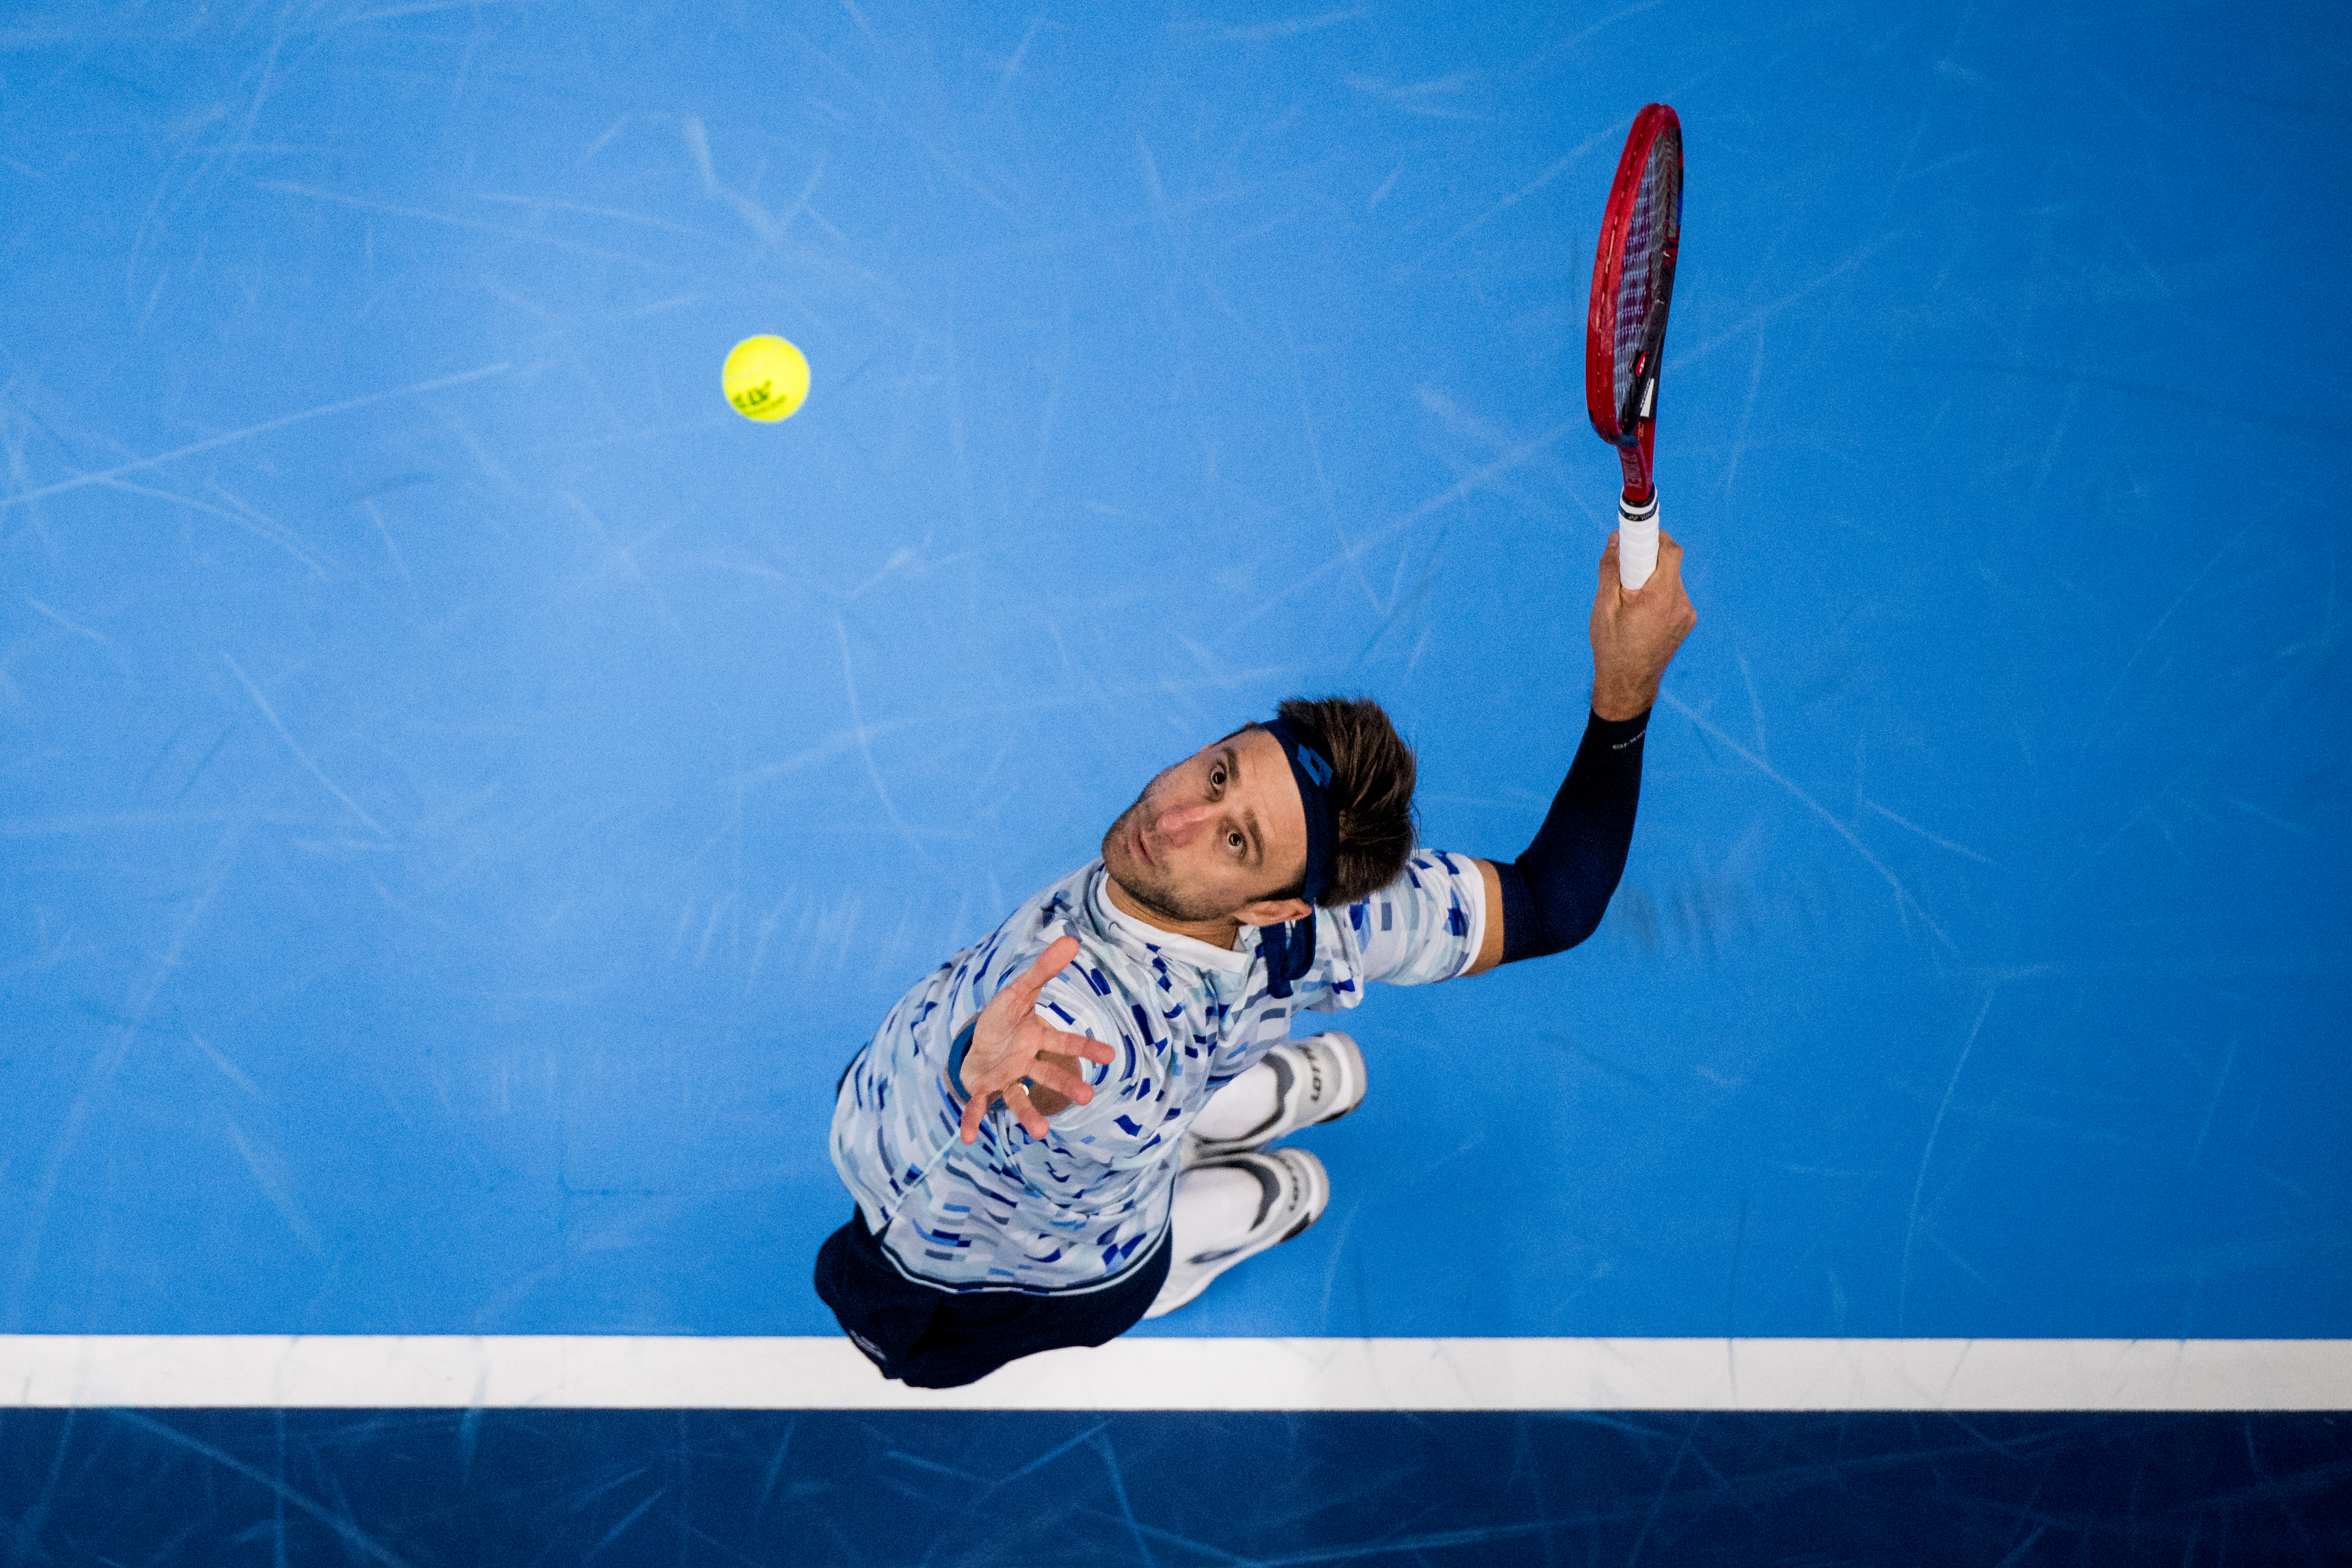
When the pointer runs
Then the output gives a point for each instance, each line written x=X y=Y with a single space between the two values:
x=1061 y=1081
x=1025 y=1111
x=1050 y=962
x=1609 y=560
x=1670 y=566
x=1080 y=1046
x=972 y=1110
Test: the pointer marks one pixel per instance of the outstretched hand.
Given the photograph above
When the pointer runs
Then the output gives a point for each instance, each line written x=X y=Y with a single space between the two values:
x=1010 y=1042
x=1636 y=631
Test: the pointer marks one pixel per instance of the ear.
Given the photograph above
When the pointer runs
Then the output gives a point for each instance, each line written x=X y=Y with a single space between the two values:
x=1273 y=911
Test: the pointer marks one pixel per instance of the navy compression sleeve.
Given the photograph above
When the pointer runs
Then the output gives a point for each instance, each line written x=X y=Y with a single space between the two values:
x=1553 y=895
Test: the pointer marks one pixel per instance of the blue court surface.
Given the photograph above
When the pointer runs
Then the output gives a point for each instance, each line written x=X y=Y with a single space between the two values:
x=467 y=792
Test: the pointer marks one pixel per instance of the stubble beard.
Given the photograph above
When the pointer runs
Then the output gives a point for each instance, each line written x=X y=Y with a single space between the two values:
x=1155 y=894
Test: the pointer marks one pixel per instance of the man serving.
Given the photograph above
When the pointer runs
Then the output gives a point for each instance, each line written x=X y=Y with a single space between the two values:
x=1064 y=1129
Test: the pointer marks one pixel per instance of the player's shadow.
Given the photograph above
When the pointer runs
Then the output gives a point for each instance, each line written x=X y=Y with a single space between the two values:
x=1718 y=913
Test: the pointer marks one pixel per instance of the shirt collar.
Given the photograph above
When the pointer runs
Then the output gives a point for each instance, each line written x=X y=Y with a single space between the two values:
x=1140 y=939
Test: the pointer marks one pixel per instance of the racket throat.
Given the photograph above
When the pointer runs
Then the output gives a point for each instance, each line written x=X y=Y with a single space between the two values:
x=1634 y=457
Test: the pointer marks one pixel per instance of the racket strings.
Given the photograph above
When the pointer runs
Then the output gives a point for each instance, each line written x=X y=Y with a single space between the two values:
x=1638 y=272
x=1632 y=281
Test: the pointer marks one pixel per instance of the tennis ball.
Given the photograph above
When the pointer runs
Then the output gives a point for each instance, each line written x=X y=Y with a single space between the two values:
x=765 y=378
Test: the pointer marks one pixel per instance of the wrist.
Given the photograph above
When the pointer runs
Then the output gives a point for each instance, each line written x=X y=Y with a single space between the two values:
x=1618 y=701
x=956 y=1050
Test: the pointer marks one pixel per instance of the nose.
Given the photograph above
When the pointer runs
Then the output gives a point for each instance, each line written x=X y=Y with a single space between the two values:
x=1178 y=820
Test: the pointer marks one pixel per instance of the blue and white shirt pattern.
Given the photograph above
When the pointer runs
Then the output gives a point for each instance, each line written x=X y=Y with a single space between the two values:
x=1074 y=1211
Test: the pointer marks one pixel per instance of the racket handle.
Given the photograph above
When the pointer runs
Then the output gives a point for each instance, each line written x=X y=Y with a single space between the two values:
x=1637 y=540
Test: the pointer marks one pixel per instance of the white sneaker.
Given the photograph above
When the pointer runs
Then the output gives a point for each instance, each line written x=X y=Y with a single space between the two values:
x=1317 y=1079
x=1292 y=1189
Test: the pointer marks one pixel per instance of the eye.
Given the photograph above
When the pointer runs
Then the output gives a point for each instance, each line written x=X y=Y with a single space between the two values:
x=1217 y=775
x=1235 y=842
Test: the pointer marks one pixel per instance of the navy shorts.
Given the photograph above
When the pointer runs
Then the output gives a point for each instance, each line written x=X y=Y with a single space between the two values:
x=931 y=1338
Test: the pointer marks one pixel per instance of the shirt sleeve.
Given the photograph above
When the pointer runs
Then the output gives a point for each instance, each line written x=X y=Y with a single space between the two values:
x=1074 y=1001
x=1424 y=926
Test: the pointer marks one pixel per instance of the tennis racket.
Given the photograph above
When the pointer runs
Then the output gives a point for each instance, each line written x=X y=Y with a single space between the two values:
x=1625 y=331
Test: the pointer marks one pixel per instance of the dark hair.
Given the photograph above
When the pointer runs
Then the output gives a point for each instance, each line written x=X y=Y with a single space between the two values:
x=1371 y=790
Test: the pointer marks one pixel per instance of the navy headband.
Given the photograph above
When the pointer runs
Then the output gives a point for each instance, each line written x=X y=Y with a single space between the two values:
x=1290 y=949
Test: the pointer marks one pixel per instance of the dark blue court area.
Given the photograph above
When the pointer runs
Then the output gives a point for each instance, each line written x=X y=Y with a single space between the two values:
x=1049 y=1489
x=464 y=792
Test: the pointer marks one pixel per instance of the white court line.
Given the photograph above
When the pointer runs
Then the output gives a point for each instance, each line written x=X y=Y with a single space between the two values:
x=567 y=1371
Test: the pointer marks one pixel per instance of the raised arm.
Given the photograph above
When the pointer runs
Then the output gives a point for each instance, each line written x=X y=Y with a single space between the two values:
x=1552 y=897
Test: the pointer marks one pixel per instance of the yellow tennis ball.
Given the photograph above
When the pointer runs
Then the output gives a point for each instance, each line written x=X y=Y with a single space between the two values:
x=765 y=378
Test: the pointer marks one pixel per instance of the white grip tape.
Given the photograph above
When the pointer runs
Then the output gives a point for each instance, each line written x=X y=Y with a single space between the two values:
x=1637 y=540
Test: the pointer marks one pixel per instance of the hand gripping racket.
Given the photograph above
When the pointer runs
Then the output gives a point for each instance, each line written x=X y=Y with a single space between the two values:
x=1625 y=331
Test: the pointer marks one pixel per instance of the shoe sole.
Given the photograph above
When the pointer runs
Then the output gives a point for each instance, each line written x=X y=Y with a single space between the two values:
x=1351 y=1058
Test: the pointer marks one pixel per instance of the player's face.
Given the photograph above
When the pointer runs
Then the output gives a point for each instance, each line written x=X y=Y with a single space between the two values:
x=1219 y=831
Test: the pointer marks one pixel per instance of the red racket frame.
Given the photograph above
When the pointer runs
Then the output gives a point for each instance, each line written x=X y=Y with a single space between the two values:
x=1629 y=428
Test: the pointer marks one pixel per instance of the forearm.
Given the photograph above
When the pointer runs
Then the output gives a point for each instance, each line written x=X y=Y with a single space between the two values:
x=1553 y=896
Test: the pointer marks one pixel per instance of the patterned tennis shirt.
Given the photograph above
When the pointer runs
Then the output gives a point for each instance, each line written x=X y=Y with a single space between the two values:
x=1074 y=1211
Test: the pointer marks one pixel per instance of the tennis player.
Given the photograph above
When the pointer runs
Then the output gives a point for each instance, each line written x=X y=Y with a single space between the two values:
x=1065 y=1129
